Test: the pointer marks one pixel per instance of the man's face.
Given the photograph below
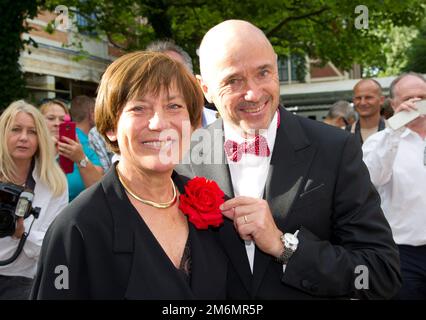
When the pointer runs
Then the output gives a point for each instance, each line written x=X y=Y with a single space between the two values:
x=407 y=88
x=367 y=99
x=244 y=86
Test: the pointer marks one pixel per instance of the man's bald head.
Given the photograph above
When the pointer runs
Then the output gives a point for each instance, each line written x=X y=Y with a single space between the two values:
x=218 y=41
x=239 y=74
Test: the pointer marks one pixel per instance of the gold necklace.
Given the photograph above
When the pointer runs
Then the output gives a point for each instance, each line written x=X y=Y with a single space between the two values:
x=159 y=205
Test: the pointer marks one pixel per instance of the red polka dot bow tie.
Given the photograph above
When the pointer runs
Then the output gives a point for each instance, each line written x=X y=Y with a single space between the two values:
x=258 y=147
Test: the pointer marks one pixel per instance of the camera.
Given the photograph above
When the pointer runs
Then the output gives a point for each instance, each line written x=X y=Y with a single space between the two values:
x=15 y=202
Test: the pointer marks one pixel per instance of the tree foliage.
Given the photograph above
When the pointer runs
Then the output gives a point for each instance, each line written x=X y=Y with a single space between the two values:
x=12 y=26
x=322 y=29
x=417 y=52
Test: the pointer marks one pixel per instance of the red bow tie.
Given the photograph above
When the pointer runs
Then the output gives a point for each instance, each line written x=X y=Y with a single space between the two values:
x=258 y=147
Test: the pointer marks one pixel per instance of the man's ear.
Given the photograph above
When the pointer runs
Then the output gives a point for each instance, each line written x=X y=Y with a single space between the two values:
x=112 y=135
x=393 y=104
x=204 y=87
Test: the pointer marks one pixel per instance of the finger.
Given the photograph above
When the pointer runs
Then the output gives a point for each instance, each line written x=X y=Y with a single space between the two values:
x=245 y=210
x=229 y=213
x=67 y=140
x=246 y=231
x=238 y=201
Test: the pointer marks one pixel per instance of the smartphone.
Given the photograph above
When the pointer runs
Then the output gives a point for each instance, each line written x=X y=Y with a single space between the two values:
x=66 y=129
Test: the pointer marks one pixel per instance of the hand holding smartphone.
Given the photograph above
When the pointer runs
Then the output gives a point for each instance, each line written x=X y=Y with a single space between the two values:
x=66 y=129
x=402 y=118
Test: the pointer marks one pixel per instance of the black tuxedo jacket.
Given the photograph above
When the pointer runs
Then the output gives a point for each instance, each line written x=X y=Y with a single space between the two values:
x=318 y=184
x=110 y=253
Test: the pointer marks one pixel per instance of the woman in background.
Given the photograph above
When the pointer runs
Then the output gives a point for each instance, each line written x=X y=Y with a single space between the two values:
x=27 y=159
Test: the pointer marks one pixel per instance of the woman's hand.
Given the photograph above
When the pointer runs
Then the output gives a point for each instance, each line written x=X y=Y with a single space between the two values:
x=71 y=149
x=19 y=228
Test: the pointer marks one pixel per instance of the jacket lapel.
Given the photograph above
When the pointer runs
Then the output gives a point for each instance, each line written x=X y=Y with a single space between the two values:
x=290 y=162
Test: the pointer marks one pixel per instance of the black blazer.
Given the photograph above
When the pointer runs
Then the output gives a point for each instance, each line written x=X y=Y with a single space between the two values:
x=318 y=184
x=111 y=254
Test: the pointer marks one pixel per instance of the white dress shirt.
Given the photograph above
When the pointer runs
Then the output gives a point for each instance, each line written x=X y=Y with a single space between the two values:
x=26 y=263
x=395 y=160
x=249 y=174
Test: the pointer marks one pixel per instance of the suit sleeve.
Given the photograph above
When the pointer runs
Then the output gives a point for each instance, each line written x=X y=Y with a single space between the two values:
x=360 y=260
x=62 y=270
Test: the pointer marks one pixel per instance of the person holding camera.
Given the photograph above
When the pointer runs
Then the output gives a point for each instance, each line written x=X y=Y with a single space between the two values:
x=27 y=164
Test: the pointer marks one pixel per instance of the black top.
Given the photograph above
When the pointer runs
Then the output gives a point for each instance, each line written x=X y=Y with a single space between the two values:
x=110 y=253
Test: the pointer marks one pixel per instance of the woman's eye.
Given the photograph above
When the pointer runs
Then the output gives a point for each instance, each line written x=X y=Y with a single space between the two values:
x=138 y=108
x=16 y=129
x=174 y=106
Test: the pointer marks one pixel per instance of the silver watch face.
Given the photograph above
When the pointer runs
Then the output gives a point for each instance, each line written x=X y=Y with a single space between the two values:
x=83 y=163
x=291 y=240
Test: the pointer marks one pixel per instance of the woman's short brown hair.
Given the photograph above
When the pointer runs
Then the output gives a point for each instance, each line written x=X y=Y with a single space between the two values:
x=137 y=74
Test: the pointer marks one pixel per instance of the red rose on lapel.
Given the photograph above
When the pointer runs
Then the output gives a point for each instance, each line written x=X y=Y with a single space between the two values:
x=201 y=203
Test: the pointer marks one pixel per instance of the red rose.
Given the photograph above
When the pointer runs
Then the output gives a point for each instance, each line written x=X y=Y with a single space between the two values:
x=201 y=203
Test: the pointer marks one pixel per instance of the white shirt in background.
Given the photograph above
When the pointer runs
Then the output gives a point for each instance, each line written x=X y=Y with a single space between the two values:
x=395 y=160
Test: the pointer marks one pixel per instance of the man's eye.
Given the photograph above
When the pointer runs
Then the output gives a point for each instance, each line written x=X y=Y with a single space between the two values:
x=264 y=73
x=234 y=81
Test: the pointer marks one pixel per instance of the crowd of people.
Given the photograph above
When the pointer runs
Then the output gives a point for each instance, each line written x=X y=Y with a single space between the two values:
x=304 y=204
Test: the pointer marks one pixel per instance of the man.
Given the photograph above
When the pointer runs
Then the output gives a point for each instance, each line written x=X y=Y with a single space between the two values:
x=289 y=174
x=397 y=164
x=87 y=167
x=177 y=53
x=340 y=114
x=367 y=100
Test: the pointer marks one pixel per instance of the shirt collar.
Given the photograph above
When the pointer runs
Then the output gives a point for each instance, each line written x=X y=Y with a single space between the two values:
x=232 y=134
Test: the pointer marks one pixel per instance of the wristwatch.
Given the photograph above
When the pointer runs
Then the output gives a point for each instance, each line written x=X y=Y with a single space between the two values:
x=290 y=242
x=83 y=163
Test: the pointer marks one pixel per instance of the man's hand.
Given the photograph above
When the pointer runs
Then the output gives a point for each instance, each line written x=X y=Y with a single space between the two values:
x=253 y=221
x=19 y=228
x=417 y=125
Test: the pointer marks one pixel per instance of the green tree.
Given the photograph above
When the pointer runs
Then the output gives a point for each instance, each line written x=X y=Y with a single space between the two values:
x=417 y=52
x=323 y=29
x=12 y=26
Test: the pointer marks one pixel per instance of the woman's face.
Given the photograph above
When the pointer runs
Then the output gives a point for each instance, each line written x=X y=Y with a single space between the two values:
x=22 y=141
x=54 y=115
x=153 y=131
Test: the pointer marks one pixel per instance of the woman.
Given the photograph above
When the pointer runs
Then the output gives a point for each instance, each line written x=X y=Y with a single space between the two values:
x=54 y=112
x=125 y=238
x=27 y=159
x=81 y=178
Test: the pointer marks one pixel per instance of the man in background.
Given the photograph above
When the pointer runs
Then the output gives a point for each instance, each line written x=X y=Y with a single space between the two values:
x=340 y=114
x=367 y=99
x=175 y=52
x=397 y=164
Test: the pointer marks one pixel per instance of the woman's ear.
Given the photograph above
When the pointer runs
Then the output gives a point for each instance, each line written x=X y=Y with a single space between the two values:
x=112 y=135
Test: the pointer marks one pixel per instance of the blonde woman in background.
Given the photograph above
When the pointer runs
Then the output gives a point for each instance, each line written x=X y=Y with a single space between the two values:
x=27 y=159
